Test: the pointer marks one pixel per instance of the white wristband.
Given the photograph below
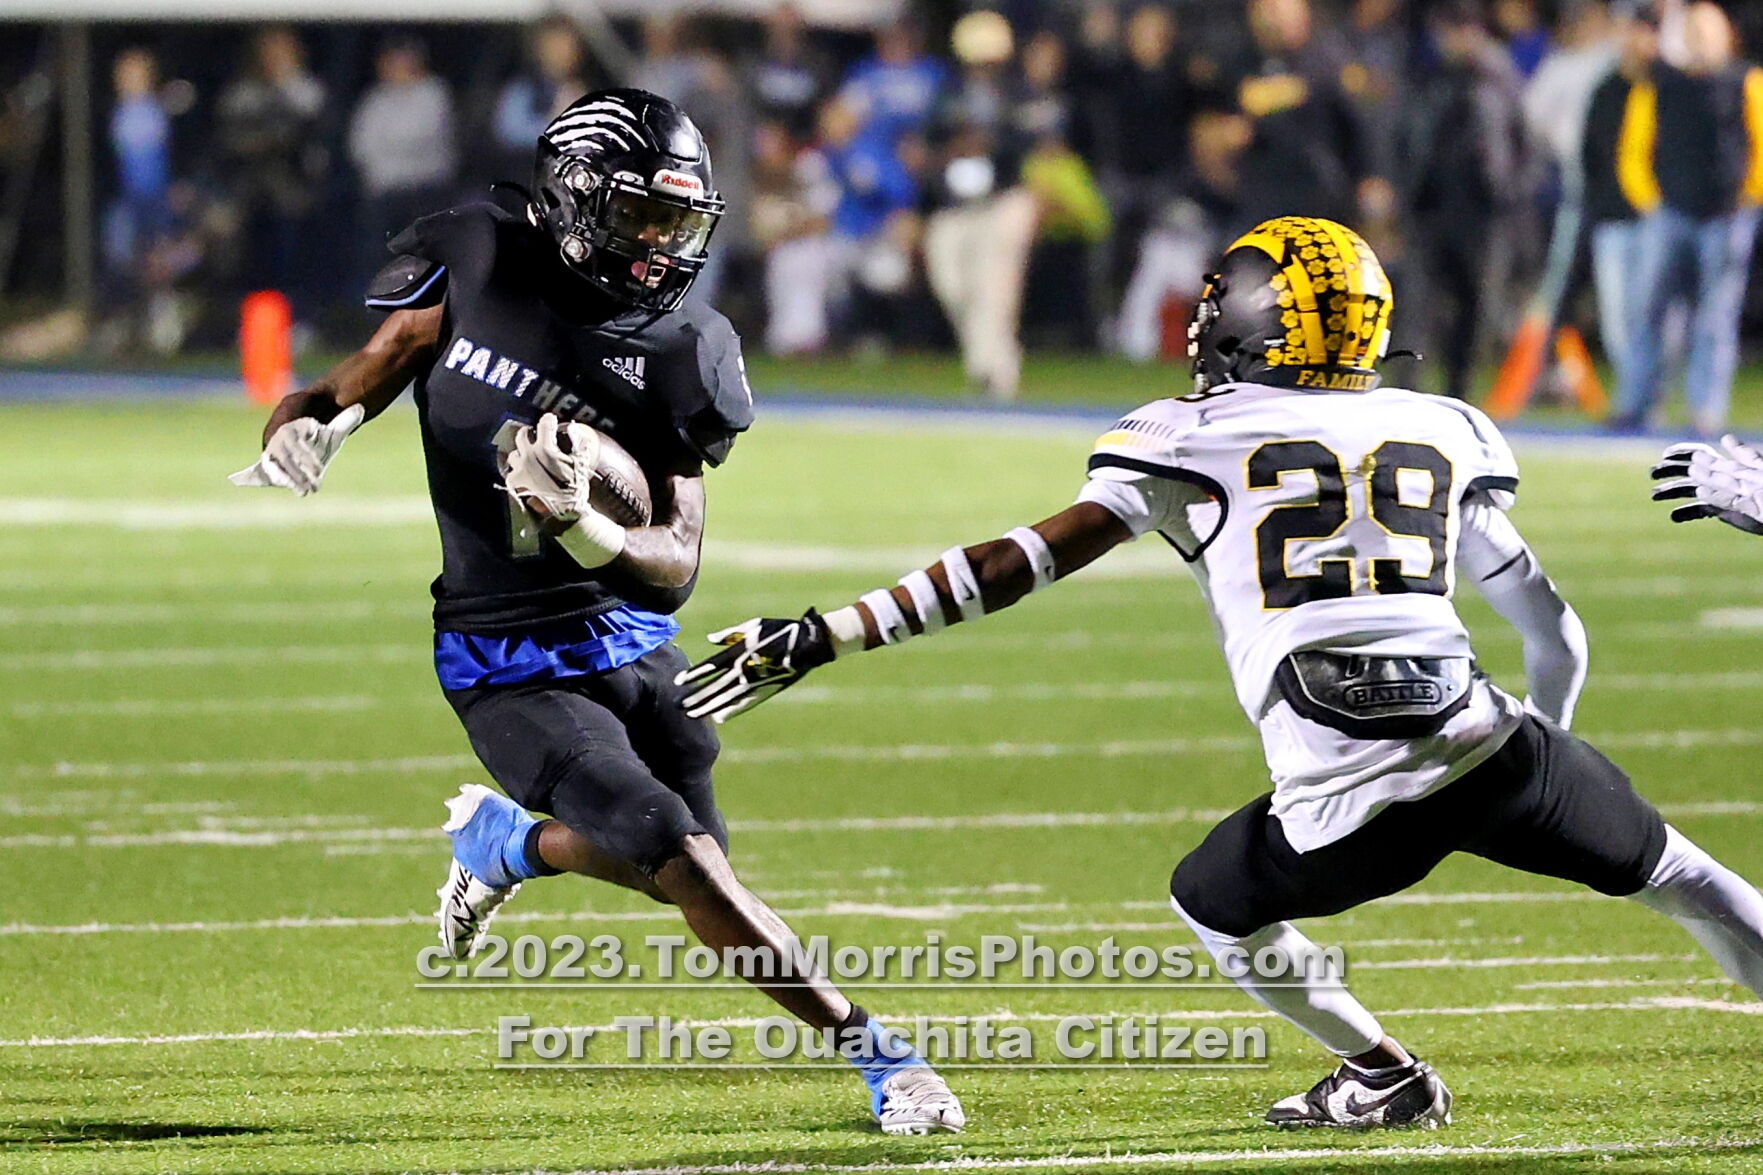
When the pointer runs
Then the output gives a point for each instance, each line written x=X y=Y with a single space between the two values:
x=963 y=583
x=890 y=619
x=925 y=600
x=1040 y=556
x=594 y=540
x=845 y=627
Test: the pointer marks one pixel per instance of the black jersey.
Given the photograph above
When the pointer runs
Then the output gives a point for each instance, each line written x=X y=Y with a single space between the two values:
x=522 y=337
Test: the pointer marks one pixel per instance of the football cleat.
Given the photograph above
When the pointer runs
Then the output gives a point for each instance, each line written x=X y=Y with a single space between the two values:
x=1412 y=1096
x=914 y=1099
x=467 y=905
x=481 y=823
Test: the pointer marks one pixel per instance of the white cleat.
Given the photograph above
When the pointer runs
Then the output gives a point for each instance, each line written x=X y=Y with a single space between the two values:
x=467 y=905
x=916 y=1100
x=1411 y=1097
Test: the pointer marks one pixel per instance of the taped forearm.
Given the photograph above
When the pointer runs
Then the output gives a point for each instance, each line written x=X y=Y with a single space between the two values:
x=1507 y=573
x=965 y=584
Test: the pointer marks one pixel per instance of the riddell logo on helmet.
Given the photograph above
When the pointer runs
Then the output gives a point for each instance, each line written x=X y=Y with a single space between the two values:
x=1336 y=381
x=677 y=182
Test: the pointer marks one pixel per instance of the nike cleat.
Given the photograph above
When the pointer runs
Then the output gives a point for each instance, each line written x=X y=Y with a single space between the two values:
x=467 y=905
x=914 y=1099
x=1411 y=1096
x=482 y=824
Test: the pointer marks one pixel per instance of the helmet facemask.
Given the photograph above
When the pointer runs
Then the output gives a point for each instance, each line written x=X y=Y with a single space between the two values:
x=634 y=240
x=1211 y=358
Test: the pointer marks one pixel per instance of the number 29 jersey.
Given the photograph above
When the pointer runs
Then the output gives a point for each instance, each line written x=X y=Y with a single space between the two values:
x=1323 y=521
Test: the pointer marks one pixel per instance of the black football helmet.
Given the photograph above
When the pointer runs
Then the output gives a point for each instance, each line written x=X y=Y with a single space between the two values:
x=622 y=184
x=1298 y=302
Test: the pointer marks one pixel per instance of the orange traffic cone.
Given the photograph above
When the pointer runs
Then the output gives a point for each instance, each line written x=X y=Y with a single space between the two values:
x=1582 y=374
x=1518 y=374
x=266 y=346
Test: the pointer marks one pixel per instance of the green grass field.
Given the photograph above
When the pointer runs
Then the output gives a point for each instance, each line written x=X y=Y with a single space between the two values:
x=225 y=754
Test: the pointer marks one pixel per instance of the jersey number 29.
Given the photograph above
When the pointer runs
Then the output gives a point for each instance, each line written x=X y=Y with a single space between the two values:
x=1329 y=513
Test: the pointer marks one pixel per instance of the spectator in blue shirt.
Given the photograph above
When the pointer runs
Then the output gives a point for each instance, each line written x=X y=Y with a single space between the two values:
x=873 y=185
x=895 y=92
x=1527 y=38
x=139 y=215
x=140 y=135
x=873 y=226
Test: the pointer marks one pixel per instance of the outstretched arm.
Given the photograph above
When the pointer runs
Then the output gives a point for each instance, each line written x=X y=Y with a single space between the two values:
x=307 y=427
x=764 y=656
x=971 y=581
x=1496 y=558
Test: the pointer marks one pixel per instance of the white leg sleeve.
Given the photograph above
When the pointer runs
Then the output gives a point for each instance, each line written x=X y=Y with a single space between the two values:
x=1322 y=1006
x=1722 y=910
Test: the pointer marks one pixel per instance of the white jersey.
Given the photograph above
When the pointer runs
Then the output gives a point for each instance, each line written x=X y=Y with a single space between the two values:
x=1322 y=521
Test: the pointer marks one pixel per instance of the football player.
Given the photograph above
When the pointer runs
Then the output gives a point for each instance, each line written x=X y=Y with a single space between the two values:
x=1713 y=483
x=526 y=328
x=1327 y=520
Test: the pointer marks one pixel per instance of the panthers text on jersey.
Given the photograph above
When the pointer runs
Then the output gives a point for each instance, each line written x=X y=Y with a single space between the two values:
x=1327 y=522
x=522 y=337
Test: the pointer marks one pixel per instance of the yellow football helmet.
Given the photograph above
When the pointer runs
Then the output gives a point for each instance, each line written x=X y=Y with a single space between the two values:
x=1297 y=302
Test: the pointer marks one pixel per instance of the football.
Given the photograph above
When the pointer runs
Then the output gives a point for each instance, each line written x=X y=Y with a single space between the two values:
x=620 y=489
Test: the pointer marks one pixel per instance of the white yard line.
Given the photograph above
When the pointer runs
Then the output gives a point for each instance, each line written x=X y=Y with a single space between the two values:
x=892 y=695
x=896 y=753
x=1134 y=690
x=1273 y=1156
x=1745 y=618
x=186 y=657
x=194 y=707
x=836 y=753
x=270 y=612
x=304 y=828
x=1558 y=984
x=1642 y=1004
x=1447 y=963
x=1049 y=643
x=253 y=511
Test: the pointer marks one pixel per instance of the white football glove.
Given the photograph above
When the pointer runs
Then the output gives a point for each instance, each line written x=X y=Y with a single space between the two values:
x=297 y=454
x=760 y=658
x=553 y=463
x=1713 y=484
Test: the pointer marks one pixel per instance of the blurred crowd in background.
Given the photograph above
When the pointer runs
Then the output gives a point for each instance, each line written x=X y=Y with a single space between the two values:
x=1043 y=172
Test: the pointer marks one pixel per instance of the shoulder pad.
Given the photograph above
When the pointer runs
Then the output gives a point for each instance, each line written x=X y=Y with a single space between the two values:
x=1494 y=469
x=407 y=282
x=1154 y=432
x=726 y=407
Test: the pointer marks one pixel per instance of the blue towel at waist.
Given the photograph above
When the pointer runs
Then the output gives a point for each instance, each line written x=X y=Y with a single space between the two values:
x=569 y=648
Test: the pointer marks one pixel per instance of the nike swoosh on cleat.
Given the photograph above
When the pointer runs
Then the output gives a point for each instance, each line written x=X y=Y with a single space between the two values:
x=1359 y=1109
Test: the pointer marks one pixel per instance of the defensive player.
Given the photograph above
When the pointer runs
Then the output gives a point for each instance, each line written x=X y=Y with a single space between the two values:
x=522 y=327
x=1712 y=483
x=1326 y=520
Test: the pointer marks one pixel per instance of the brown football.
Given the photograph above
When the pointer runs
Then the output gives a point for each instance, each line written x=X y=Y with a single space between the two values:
x=620 y=489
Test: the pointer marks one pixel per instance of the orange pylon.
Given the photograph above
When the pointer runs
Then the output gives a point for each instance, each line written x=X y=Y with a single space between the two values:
x=1576 y=363
x=1518 y=374
x=266 y=346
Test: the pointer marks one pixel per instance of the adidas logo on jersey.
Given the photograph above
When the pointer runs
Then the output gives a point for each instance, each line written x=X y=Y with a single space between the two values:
x=631 y=368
